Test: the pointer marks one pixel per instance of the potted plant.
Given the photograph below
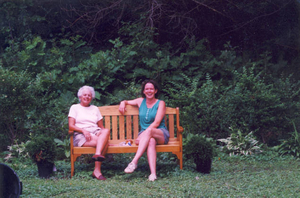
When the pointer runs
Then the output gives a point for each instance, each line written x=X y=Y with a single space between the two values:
x=42 y=150
x=201 y=150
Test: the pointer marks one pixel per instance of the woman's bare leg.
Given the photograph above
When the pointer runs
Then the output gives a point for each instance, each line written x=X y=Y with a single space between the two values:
x=144 y=139
x=151 y=154
x=97 y=169
x=98 y=141
x=102 y=142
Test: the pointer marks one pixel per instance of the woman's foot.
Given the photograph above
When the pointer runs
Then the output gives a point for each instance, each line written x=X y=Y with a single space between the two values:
x=100 y=177
x=152 y=177
x=98 y=158
x=130 y=168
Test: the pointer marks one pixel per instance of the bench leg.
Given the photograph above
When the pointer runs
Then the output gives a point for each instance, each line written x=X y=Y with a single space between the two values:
x=73 y=160
x=180 y=160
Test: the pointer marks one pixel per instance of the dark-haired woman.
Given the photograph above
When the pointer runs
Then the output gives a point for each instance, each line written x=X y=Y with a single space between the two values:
x=153 y=129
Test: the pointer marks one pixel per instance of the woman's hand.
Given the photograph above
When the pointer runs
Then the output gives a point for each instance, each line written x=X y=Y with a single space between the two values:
x=137 y=141
x=135 y=102
x=87 y=135
x=122 y=107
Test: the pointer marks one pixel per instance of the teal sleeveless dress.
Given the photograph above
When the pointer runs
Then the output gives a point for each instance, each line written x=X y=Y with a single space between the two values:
x=147 y=117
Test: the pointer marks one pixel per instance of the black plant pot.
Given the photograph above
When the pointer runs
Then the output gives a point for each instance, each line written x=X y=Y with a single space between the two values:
x=203 y=166
x=45 y=169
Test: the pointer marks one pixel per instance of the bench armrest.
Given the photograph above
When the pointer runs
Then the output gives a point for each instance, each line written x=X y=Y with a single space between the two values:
x=180 y=129
x=71 y=132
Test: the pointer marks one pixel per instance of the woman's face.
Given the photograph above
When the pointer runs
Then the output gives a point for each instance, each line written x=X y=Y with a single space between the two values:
x=85 y=98
x=150 y=90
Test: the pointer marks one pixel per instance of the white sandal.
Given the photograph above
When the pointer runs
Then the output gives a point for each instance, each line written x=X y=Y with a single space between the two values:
x=130 y=168
x=152 y=177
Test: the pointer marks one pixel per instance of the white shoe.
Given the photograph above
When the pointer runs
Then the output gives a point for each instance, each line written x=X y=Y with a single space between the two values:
x=152 y=177
x=130 y=168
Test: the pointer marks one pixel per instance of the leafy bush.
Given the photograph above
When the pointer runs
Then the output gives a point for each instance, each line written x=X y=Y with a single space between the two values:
x=203 y=109
x=16 y=100
x=237 y=144
x=249 y=101
x=291 y=145
x=201 y=150
x=261 y=104
x=34 y=83
x=42 y=148
x=64 y=146
x=16 y=151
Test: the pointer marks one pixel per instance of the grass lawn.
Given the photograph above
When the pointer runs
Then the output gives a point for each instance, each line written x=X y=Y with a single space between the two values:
x=254 y=176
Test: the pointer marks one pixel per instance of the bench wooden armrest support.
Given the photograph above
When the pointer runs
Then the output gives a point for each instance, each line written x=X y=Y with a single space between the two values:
x=123 y=127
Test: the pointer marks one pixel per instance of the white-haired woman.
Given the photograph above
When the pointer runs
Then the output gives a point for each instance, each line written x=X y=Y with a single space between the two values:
x=87 y=123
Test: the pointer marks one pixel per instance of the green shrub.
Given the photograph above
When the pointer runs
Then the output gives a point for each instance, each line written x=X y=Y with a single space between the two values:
x=16 y=100
x=249 y=102
x=291 y=145
x=201 y=150
x=237 y=144
x=203 y=106
x=16 y=152
x=64 y=146
x=261 y=104
x=42 y=149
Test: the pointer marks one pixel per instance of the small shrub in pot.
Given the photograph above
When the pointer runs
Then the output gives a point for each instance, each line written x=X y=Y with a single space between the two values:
x=42 y=150
x=201 y=150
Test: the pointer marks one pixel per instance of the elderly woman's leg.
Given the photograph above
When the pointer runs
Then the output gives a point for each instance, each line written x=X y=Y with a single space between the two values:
x=97 y=171
x=102 y=142
x=99 y=141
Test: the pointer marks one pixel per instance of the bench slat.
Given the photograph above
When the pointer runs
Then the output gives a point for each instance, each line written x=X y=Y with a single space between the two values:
x=171 y=125
x=128 y=127
x=121 y=128
x=114 y=127
x=107 y=123
x=135 y=126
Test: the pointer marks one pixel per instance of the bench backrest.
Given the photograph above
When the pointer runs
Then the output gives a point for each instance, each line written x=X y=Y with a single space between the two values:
x=127 y=126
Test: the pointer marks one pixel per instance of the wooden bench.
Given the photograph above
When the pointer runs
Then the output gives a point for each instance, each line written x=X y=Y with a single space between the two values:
x=125 y=127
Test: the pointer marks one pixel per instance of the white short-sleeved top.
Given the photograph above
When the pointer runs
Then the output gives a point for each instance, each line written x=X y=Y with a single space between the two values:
x=85 y=117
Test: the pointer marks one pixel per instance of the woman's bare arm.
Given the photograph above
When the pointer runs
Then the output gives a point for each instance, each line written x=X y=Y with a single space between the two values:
x=72 y=127
x=135 y=102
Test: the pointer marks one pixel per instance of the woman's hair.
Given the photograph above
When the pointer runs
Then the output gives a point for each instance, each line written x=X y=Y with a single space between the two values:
x=154 y=83
x=91 y=89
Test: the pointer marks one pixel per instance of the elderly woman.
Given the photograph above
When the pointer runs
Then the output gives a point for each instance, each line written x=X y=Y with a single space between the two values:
x=87 y=123
x=153 y=129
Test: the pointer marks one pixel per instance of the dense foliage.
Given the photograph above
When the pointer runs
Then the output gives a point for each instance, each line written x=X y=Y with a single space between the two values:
x=241 y=79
